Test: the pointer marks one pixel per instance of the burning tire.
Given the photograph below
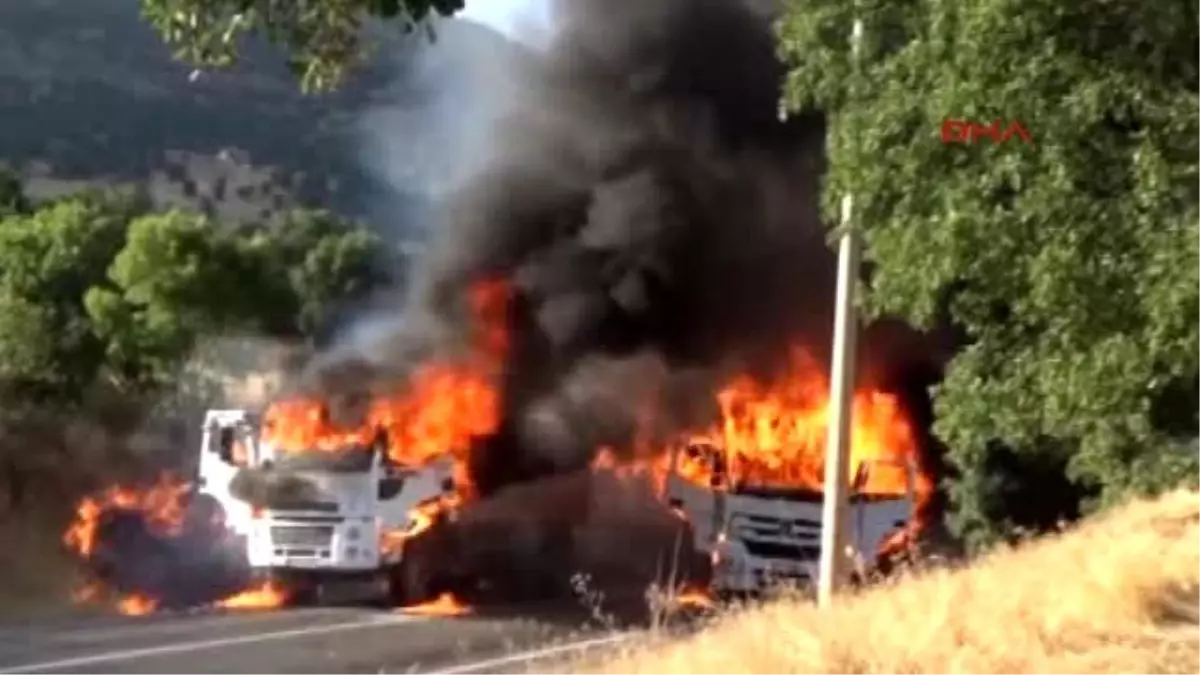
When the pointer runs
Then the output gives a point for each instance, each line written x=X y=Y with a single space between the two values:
x=129 y=557
x=415 y=578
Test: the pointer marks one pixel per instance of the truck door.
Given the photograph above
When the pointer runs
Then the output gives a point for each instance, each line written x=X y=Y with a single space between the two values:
x=877 y=516
x=228 y=447
x=700 y=502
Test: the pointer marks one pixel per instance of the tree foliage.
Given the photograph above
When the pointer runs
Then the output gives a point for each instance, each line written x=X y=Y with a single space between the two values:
x=323 y=39
x=1070 y=265
x=49 y=258
x=97 y=289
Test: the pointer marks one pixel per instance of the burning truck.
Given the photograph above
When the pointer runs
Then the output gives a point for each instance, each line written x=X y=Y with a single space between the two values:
x=753 y=485
x=750 y=487
x=755 y=535
x=310 y=515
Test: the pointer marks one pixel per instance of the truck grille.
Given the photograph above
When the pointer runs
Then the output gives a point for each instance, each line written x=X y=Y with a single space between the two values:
x=302 y=536
x=771 y=549
x=785 y=538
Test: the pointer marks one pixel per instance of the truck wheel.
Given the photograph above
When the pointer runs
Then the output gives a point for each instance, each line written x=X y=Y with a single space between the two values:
x=304 y=595
x=422 y=572
x=408 y=583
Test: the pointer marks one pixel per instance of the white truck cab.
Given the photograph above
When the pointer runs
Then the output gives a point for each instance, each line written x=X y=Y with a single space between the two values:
x=332 y=513
x=756 y=536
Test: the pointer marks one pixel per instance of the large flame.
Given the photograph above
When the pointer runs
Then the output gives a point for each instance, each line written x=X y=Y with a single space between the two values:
x=161 y=506
x=440 y=411
x=773 y=435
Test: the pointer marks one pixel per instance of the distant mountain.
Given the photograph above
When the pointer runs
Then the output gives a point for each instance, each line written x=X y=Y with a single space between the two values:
x=88 y=94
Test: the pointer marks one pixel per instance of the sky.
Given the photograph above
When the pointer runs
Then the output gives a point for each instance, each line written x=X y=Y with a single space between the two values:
x=511 y=17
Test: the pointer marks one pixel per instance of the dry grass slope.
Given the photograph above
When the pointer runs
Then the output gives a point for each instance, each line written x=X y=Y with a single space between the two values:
x=1116 y=595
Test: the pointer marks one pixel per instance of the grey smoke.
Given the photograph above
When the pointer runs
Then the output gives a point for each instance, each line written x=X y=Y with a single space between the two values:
x=432 y=128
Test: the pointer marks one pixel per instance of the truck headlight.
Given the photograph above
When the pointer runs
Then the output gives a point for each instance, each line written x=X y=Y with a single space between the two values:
x=727 y=557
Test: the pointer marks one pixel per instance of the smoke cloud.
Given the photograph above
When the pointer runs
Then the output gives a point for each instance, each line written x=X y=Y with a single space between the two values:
x=656 y=220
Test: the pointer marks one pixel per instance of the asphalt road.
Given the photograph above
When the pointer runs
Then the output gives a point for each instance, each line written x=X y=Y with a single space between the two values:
x=312 y=640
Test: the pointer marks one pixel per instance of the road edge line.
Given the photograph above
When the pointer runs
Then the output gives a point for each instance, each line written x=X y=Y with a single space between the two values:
x=182 y=647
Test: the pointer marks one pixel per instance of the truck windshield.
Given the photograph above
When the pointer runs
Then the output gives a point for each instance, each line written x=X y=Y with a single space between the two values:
x=877 y=481
x=347 y=460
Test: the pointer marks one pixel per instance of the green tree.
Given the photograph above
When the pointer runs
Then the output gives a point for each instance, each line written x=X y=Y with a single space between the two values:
x=323 y=39
x=1070 y=265
x=316 y=261
x=96 y=289
x=50 y=257
x=180 y=277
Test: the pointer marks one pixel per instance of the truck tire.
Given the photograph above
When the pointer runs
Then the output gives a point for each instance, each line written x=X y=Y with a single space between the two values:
x=411 y=581
x=408 y=584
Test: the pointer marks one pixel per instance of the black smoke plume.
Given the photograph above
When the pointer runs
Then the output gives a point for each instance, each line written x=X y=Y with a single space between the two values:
x=657 y=222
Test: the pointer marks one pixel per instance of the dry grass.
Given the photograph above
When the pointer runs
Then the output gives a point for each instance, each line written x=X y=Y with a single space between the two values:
x=1116 y=595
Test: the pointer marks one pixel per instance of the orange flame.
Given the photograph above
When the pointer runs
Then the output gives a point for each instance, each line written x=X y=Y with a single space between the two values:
x=692 y=597
x=774 y=436
x=161 y=505
x=442 y=410
x=266 y=596
x=422 y=517
x=136 y=605
x=444 y=605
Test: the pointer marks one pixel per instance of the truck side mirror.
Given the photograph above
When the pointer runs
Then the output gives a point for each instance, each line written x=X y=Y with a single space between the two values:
x=390 y=487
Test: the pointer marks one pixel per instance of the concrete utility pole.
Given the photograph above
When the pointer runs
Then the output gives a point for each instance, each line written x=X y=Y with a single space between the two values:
x=841 y=399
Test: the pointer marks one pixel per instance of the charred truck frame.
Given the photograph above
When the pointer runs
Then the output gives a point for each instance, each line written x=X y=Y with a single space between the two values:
x=314 y=519
x=755 y=536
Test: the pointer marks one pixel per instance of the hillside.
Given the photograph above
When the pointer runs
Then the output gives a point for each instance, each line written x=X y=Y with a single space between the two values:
x=1117 y=595
x=89 y=94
